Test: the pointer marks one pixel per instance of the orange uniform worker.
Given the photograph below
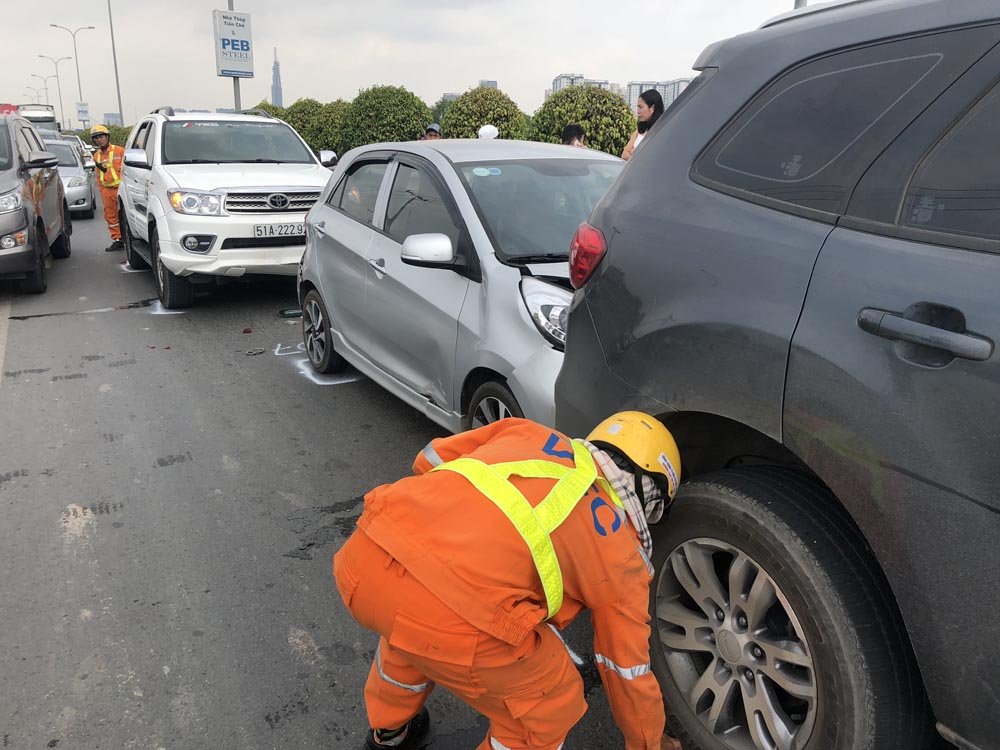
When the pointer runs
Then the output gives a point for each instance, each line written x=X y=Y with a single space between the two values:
x=502 y=532
x=108 y=159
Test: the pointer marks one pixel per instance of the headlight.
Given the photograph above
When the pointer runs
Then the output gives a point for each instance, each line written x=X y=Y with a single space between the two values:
x=76 y=182
x=10 y=201
x=196 y=202
x=548 y=306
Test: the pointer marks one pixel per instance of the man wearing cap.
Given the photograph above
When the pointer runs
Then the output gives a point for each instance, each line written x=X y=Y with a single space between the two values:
x=488 y=132
x=433 y=132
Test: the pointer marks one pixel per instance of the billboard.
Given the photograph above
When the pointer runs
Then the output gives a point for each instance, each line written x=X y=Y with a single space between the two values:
x=83 y=111
x=233 y=45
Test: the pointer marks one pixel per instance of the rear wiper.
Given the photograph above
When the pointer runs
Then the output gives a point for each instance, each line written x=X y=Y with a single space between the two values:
x=542 y=258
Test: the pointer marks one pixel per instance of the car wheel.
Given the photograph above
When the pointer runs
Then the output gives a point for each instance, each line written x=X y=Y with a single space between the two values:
x=133 y=258
x=174 y=292
x=773 y=628
x=37 y=282
x=63 y=246
x=317 y=337
x=490 y=403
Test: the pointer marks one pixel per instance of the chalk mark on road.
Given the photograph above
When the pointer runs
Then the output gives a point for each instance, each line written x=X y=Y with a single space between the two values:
x=4 y=323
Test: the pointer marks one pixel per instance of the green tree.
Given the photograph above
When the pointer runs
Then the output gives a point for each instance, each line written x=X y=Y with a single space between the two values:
x=605 y=117
x=329 y=128
x=439 y=110
x=304 y=115
x=271 y=109
x=383 y=113
x=483 y=106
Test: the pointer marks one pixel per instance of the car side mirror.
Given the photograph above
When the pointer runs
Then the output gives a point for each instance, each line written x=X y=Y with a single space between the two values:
x=328 y=158
x=89 y=165
x=428 y=250
x=41 y=160
x=136 y=157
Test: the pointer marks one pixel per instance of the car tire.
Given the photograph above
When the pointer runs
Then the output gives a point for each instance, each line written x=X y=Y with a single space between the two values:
x=133 y=258
x=63 y=246
x=37 y=282
x=174 y=292
x=317 y=337
x=799 y=582
x=490 y=402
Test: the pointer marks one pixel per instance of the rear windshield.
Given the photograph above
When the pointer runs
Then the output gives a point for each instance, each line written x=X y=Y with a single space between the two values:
x=533 y=207
x=222 y=142
x=65 y=152
x=6 y=156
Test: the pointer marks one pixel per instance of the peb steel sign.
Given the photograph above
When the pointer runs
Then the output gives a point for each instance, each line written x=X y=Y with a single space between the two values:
x=233 y=45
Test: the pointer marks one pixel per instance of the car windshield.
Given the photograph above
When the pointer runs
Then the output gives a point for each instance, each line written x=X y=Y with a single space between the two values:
x=229 y=142
x=65 y=152
x=6 y=157
x=532 y=207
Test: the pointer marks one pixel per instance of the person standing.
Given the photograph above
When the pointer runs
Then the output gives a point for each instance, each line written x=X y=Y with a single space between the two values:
x=648 y=110
x=573 y=135
x=504 y=535
x=108 y=158
x=433 y=132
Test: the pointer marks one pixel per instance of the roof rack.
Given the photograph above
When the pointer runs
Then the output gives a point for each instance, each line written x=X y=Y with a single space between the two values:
x=808 y=10
x=168 y=111
x=256 y=111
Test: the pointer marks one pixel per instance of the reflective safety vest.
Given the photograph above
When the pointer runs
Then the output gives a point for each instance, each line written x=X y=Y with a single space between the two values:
x=109 y=178
x=536 y=524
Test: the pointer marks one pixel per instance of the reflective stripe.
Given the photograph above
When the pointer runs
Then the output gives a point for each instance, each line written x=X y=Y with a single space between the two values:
x=432 y=455
x=534 y=524
x=110 y=166
x=378 y=664
x=627 y=673
x=497 y=744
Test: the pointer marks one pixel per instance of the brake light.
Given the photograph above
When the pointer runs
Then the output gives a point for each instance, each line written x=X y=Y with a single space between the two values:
x=585 y=254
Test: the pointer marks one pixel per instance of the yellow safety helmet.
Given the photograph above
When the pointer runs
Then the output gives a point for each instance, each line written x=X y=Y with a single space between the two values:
x=645 y=442
x=99 y=130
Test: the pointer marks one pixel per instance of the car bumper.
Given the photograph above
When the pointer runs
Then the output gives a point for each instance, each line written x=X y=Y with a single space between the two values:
x=79 y=198
x=234 y=249
x=19 y=260
x=533 y=384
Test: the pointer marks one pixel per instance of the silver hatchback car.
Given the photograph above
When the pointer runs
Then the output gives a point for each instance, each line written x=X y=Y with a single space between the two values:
x=78 y=180
x=439 y=270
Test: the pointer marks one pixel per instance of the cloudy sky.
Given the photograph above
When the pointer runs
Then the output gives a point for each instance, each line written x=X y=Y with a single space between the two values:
x=332 y=49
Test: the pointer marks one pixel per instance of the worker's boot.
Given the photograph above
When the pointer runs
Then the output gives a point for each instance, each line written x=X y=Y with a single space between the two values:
x=407 y=737
x=115 y=245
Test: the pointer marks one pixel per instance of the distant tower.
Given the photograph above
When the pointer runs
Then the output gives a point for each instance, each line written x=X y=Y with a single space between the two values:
x=276 y=81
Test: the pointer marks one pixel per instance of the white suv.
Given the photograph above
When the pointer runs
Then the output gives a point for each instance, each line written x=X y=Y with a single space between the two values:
x=214 y=195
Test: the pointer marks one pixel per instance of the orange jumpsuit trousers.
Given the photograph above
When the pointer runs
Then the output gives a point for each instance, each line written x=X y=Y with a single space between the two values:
x=531 y=693
x=109 y=195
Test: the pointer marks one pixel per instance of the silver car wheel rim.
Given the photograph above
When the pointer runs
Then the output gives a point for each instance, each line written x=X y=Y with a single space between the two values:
x=735 y=648
x=489 y=410
x=315 y=332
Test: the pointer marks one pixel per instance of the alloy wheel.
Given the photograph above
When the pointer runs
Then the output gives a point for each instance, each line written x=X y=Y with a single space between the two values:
x=489 y=410
x=735 y=648
x=314 y=332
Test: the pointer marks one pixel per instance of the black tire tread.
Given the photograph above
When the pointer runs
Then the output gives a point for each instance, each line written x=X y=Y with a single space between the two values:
x=334 y=362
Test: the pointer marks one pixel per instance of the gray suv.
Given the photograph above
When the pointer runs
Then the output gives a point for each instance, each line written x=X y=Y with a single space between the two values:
x=798 y=273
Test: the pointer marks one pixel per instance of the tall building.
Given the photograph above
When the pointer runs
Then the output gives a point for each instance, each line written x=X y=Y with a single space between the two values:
x=564 y=80
x=276 y=98
x=669 y=90
x=113 y=118
x=488 y=84
x=449 y=97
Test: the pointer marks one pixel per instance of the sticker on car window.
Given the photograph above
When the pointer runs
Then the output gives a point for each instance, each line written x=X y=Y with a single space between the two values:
x=481 y=172
x=495 y=171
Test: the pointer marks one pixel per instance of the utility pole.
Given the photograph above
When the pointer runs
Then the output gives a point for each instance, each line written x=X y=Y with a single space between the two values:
x=62 y=111
x=236 y=81
x=45 y=84
x=76 y=57
x=114 y=57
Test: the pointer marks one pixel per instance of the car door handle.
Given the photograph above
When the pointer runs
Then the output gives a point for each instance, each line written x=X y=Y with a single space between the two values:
x=319 y=226
x=379 y=265
x=889 y=325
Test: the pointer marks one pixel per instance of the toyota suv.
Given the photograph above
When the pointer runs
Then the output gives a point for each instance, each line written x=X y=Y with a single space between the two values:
x=797 y=272
x=209 y=196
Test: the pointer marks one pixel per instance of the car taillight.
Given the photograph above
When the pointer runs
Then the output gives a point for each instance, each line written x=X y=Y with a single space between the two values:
x=585 y=254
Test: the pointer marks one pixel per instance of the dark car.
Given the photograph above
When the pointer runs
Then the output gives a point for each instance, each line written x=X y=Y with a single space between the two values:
x=35 y=223
x=798 y=273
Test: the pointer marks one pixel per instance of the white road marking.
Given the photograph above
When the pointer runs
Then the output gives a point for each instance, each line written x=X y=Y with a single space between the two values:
x=126 y=268
x=4 y=322
x=306 y=370
x=157 y=308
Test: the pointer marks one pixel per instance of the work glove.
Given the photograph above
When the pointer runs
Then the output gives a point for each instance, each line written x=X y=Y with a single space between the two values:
x=101 y=166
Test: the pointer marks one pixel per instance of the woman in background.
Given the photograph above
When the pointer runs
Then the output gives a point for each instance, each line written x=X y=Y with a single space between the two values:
x=648 y=111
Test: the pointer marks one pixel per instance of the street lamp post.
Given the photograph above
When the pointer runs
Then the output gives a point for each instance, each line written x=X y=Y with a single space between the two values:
x=55 y=62
x=76 y=57
x=37 y=97
x=114 y=58
x=45 y=84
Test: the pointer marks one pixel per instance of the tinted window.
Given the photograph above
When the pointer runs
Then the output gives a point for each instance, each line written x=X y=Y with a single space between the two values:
x=33 y=140
x=957 y=187
x=416 y=207
x=809 y=137
x=140 y=136
x=6 y=156
x=359 y=191
x=232 y=142
x=533 y=207
x=65 y=152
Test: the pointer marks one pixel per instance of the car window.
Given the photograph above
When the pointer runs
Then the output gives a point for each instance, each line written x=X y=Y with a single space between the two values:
x=956 y=188
x=33 y=140
x=65 y=152
x=6 y=152
x=532 y=207
x=140 y=136
x=24 y=147
x=232 y=142
x=417 y=207
x=807 y=138
x=359 y=191
x=150 y=144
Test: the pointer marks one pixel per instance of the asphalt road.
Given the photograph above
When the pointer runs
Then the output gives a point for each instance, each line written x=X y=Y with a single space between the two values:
x=170 y=503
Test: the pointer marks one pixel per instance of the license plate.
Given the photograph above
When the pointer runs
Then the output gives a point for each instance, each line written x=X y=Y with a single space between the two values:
x=278 y=230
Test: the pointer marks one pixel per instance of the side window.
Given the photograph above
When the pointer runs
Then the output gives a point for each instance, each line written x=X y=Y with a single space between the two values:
x=24 y=147
x=807 y=138
x=150 y=144
x=33 y=140
x=140 y=136
x=358 y=192
x=956 y=188
x=416 y=207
